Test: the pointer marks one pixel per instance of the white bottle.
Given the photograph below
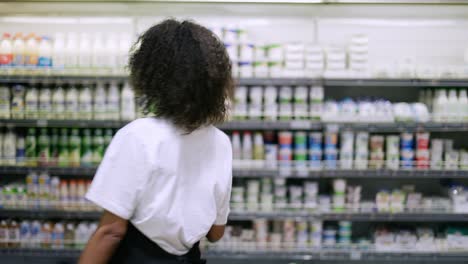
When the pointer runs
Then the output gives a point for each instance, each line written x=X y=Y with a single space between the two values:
x=5 y=101
x=463 y=106
x=113 y=101
x=236 y=146
x=31 y=50
x=32 y=102
x=452 y=106
x=85 y=51
x=316 y=102
x=247 y=146
x=17 y=102
x=45 y=52
x=45 y=102
x=9 y=148
x=99 y=106
x=112 y=48
x=440 y=106
x=58 y=102
x=85 y=103
x=18 y=50
x=125 y=43
x=6 y=50
x=71 y=51
x=71 y=102
x=127 y=108
x=59 y=51
x=99 y=57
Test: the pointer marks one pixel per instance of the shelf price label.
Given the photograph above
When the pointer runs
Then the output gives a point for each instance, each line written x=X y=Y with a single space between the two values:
x=42 y=123
x=301 y=124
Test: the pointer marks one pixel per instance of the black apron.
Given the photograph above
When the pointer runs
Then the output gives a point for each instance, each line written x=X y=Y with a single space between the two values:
x=136 y=248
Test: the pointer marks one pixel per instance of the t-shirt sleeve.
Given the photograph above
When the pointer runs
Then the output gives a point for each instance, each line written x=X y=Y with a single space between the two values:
x=121 y=175
x=225 y=185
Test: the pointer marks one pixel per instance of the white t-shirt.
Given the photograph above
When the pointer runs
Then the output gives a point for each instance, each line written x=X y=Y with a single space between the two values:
x=171 y=186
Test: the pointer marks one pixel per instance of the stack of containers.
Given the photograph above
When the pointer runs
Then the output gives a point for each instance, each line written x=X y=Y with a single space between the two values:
x=294 y=60
x=261 y=232
x=285 y=139
x=407 y=150
x=316 y=234
x=275 y=60
x=346 y=150
x=260 y=65
x=300 y=150
x=361 y=153
x=271 y=150
x=253 y=190
x=329 y=236
x=255 y=107
x=353 y=197
x=237 y=198
x=344 y=233
x=246 y=58
x=285 y=103
x=437 y=151
x=310 y=195
x=377 y=152
x=289 y=233
x=393 y=152
x=316 y=102
x=451 y=156
x=359 y=53
x=422 y=150
x=240 y=103
x=331 y=142
x=270 y=106
x=336 y=60
x=302 y=236
x=300 y=102
x=295 y=197
x=266 y=195
x=280 y=193
x=339 y=188
x=314 y=60
x=315 y=150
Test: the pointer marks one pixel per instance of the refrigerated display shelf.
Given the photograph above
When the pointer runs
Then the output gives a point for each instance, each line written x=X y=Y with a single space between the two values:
x=256 y=125
x=312 y=256
x=265 y=172
x=247 y=216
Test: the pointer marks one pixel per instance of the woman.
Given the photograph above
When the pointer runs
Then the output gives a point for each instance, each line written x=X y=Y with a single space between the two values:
x=165 y=182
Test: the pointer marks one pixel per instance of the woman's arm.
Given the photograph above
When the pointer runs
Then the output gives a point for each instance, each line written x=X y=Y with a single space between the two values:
x=216 y=233
x=105 y=240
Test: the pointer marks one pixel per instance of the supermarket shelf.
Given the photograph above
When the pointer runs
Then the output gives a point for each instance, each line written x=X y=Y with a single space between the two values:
x=311 y=256
x=394 y=82
x=255 y=125
x=265 y=172
x=245 y=216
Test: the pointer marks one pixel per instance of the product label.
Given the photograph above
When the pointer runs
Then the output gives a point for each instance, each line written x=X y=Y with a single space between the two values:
x=6 y=59
x=45 y=62
x=18 y=60
x=31 y=60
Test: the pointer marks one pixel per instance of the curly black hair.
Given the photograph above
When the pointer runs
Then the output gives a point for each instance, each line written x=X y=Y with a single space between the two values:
x=183 y=73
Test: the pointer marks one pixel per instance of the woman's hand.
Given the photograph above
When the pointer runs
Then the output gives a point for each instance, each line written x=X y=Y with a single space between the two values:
x=105 y=240
x=216 y=233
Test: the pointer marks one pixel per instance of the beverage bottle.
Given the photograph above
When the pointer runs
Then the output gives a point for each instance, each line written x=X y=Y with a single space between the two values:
x=4 y=101
x=236 y=146
x=55 y=192
x=32 y=102
x=98 y=147
x=81 y=234
x=85 y=52
x=99 y=107
x=74 y=148
x=127 y=107
x=72 y=195
x=31 y=148
x=112 y=51
x=71 y=51
x=86 y=150
x=113 y=102
x=6 y=50
x=54 y=148
x=69 y=235
x=63 y=149
x=44 y=190
x=64 y=195
x=9 y=148
x=17 y=103
x=85 y=103
x=58 y=51
x=99 y=50
x=58 y=236
x=43 y=148
x=31 y=50
x=125 y=43
x=440 y=106
x=13 y=234
x=18 y=50
x=25 y=234
x=32 y=188
x=20 y=151
x=452 y=107
x=45 y=52
x=463 y=106
x=58 y=102
x=3 y=233
x=46 y=235
x=81 y=192
x=21 y=196
x=36 y=234
x=247 y=146
x=258 y=148
x=71 y=102
x=107 y=139
x=45 y=102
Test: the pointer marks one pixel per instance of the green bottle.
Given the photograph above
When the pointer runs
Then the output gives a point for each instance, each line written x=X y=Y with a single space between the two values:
x=63 y=149
x=74 y=148
x=44 y=148
x=86 y=149
x=31 y=148
x=98 y=147
x=107 y=138
x=54 y=148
